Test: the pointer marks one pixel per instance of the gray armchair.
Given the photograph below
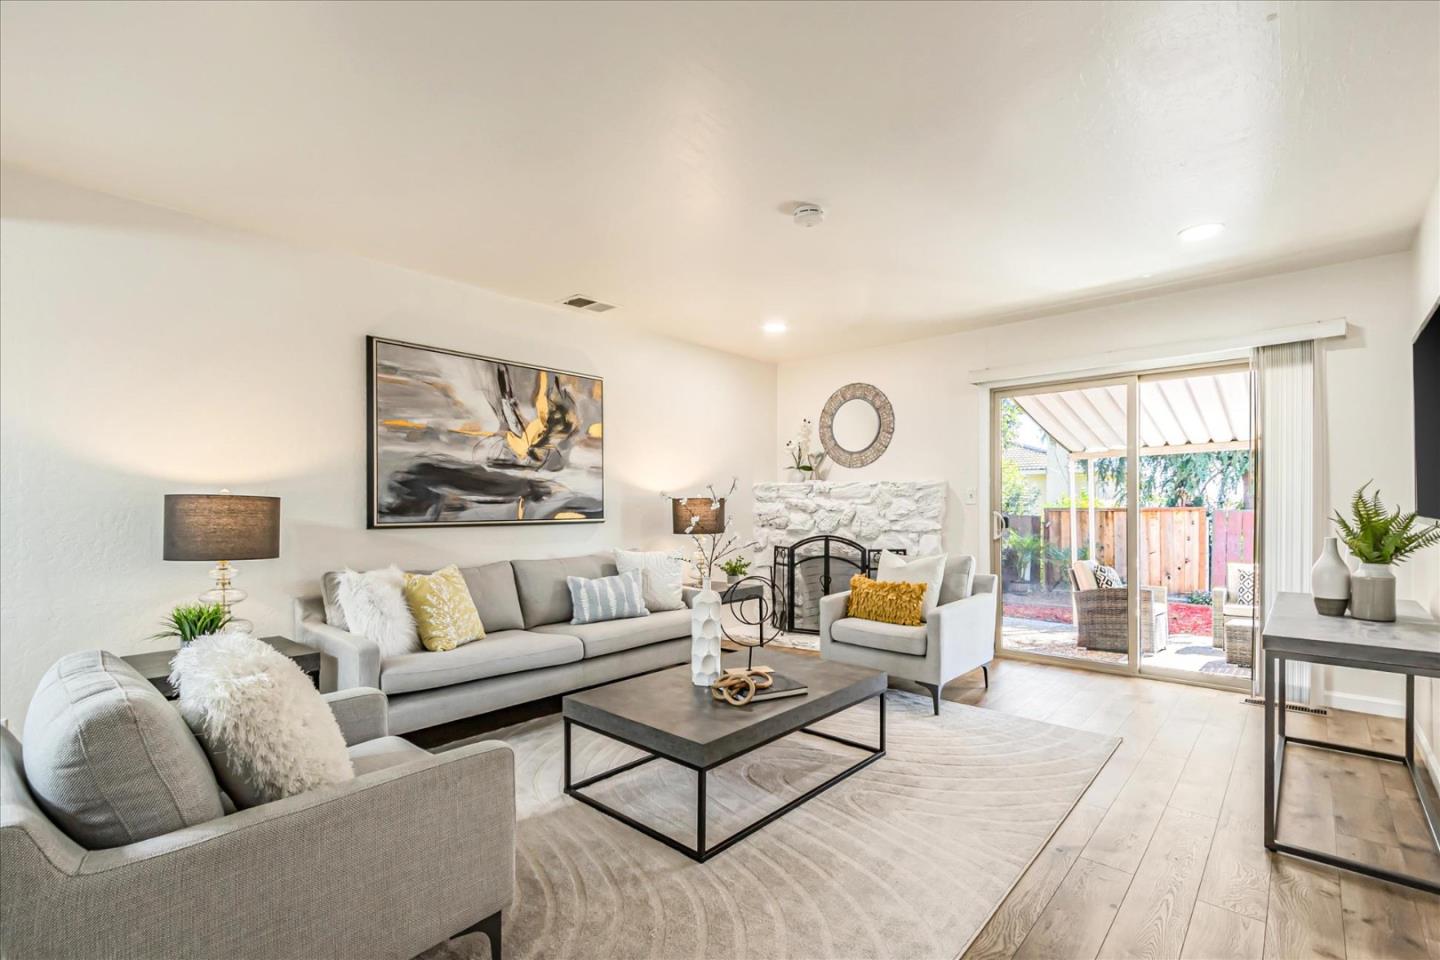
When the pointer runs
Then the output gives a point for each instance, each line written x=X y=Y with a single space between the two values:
x=957 y=637
x=414 y=850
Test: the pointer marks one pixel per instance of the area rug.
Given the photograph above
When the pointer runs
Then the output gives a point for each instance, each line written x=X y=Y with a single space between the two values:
x=907 y=858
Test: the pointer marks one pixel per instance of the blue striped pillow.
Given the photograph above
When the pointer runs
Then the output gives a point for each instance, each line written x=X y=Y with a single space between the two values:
x=606 y=598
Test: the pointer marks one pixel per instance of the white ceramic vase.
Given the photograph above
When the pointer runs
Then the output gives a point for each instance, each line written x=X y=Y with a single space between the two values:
x=1330 y=581
x=705 y=638
x=1372 y=592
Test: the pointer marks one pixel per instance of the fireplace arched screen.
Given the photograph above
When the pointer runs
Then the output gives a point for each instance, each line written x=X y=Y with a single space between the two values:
x=811 y=568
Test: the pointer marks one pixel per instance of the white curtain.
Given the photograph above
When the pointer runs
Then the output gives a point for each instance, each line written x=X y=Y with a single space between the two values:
x=1290 y=417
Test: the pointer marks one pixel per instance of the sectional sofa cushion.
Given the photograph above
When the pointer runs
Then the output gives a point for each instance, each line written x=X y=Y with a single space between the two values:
x=500 y=653
x=890 y=637
x=544 y=595
x=492 y=587
x=383 y=753
x=108 y=759
x=613 y=636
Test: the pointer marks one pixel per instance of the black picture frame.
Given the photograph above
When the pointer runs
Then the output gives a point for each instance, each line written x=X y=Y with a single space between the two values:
x=375 y=503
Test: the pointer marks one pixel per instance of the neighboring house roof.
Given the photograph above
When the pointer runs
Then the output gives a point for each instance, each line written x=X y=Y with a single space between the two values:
x=1029 y=459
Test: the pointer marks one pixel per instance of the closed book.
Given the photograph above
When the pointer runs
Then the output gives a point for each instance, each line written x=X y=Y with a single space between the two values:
x=782 y=686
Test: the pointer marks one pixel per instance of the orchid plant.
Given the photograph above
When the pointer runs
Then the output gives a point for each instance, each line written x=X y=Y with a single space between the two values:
x=801 y=457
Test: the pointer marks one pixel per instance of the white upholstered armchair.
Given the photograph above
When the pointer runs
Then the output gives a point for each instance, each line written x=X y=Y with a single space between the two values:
x=957 y=637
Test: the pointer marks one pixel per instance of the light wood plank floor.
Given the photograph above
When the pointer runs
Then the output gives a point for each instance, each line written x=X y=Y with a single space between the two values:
x=1163 y=857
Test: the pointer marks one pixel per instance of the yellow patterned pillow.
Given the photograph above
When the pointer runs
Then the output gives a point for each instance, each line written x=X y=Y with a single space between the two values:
x=896 y=602
x=444 y=611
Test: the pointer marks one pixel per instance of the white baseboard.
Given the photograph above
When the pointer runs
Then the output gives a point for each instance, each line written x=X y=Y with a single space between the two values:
x=1427 y=753
x=1360 y=703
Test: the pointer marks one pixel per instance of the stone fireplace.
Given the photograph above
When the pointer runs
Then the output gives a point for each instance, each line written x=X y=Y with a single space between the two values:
x=903 y=515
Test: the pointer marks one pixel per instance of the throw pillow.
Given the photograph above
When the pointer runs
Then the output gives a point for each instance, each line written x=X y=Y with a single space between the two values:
x=899 y=603
x=927 y=570
x=444 y=611
x=1107 y=576
x=1245 y=586
x=374 y=606
x=268 y=732
x=661 y=577
x=607 y=598
x=108 y=759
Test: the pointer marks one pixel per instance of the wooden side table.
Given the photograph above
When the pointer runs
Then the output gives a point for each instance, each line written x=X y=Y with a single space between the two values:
x=155 y=667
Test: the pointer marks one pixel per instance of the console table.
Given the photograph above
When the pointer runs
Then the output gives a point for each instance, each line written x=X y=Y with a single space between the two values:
x=1410 y=646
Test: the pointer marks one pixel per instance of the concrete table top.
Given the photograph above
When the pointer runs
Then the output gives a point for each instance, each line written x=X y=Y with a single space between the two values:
x=665 y=713
x=1411 y=643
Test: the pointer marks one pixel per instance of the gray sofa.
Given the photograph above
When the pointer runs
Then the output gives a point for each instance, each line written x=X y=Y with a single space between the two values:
x=957 y=637
x=416 y=849
x=530 y=650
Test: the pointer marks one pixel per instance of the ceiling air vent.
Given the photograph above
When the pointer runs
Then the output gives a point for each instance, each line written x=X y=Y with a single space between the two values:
x=587 y=303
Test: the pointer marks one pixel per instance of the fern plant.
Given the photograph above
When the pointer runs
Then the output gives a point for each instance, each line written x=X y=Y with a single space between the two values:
x=1377 y=536
x=191 y=620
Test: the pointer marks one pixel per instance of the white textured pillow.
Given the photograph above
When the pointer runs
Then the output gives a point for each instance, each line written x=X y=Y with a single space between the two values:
x=661 y=577
x=374 y=605
x=927 y=570
x=266 y=729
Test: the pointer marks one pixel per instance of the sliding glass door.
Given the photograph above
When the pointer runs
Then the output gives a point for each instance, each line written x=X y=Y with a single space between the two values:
x=1150 y=570
x=1062 y=530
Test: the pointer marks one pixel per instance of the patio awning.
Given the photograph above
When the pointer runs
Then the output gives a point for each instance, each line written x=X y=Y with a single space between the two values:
x=1187 y=414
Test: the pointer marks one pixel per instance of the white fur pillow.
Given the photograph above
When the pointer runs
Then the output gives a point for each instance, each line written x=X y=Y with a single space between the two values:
x=374 y=606
x=268 y=732
x=661 y=576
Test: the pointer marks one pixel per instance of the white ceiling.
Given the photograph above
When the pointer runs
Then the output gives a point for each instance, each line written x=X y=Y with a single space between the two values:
x=978 y=162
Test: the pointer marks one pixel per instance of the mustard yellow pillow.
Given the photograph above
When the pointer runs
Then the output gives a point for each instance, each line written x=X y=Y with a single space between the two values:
x=444 y=611
x=897 y=602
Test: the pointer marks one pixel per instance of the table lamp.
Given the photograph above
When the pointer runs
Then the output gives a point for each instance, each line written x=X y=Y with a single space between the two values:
x=223 y=528
x=697 y=516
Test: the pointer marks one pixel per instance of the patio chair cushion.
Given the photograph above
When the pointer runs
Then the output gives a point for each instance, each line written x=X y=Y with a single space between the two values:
x=891 y=637
x=1238 y=610
x=1084 y=575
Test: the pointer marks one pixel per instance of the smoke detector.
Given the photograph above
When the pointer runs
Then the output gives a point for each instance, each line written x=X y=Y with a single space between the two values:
x=587 y=303
x=808 y=214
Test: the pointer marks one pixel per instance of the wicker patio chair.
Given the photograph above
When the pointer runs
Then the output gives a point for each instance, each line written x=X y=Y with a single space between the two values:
x=1101 y=613
x=1234 y=601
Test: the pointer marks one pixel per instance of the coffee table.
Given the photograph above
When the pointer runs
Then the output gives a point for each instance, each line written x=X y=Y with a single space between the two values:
x=669 y=718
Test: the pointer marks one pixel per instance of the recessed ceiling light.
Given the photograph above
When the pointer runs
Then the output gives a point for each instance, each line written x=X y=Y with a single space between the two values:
x=1201 y=231
x=773 y=327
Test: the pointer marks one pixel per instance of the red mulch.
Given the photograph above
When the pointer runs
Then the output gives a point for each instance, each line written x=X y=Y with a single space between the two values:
x=1191 y=619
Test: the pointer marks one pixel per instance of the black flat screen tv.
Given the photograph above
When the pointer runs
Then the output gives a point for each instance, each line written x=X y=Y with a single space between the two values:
x=1427 y=417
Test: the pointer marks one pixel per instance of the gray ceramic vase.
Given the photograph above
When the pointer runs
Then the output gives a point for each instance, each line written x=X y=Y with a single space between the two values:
x=1372 y=593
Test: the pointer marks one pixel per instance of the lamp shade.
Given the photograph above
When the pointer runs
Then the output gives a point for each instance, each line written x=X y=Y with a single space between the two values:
x=711 y=514
x=205 y=526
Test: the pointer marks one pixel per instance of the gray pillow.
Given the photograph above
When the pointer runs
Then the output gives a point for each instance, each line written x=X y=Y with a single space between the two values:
x=330 y=596
x=108 y=759
x=606 y=598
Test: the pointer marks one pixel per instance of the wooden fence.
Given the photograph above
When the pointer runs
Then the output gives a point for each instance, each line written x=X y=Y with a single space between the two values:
x=1174 y=542
x=1232 y=540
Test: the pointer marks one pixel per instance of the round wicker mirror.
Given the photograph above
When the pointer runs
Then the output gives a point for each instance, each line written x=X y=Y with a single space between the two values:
x=856 y=425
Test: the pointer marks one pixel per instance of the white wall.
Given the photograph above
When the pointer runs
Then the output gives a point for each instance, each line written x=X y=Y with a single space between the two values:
x=1426 y=567
x=939 y=416
x=144 y=352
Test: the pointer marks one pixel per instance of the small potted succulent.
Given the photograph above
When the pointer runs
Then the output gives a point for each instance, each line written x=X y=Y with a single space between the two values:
x=1379 y=539
x=191 y=620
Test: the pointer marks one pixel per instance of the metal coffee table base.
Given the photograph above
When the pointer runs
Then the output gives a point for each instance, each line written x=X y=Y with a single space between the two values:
x=700 y=852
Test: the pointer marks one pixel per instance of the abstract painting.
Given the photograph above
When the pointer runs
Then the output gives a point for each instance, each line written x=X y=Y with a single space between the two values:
x=458 y=439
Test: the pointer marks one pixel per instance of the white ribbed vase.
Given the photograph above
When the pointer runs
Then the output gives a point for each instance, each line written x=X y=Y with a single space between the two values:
x=1330 y=581
x=705 y=638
